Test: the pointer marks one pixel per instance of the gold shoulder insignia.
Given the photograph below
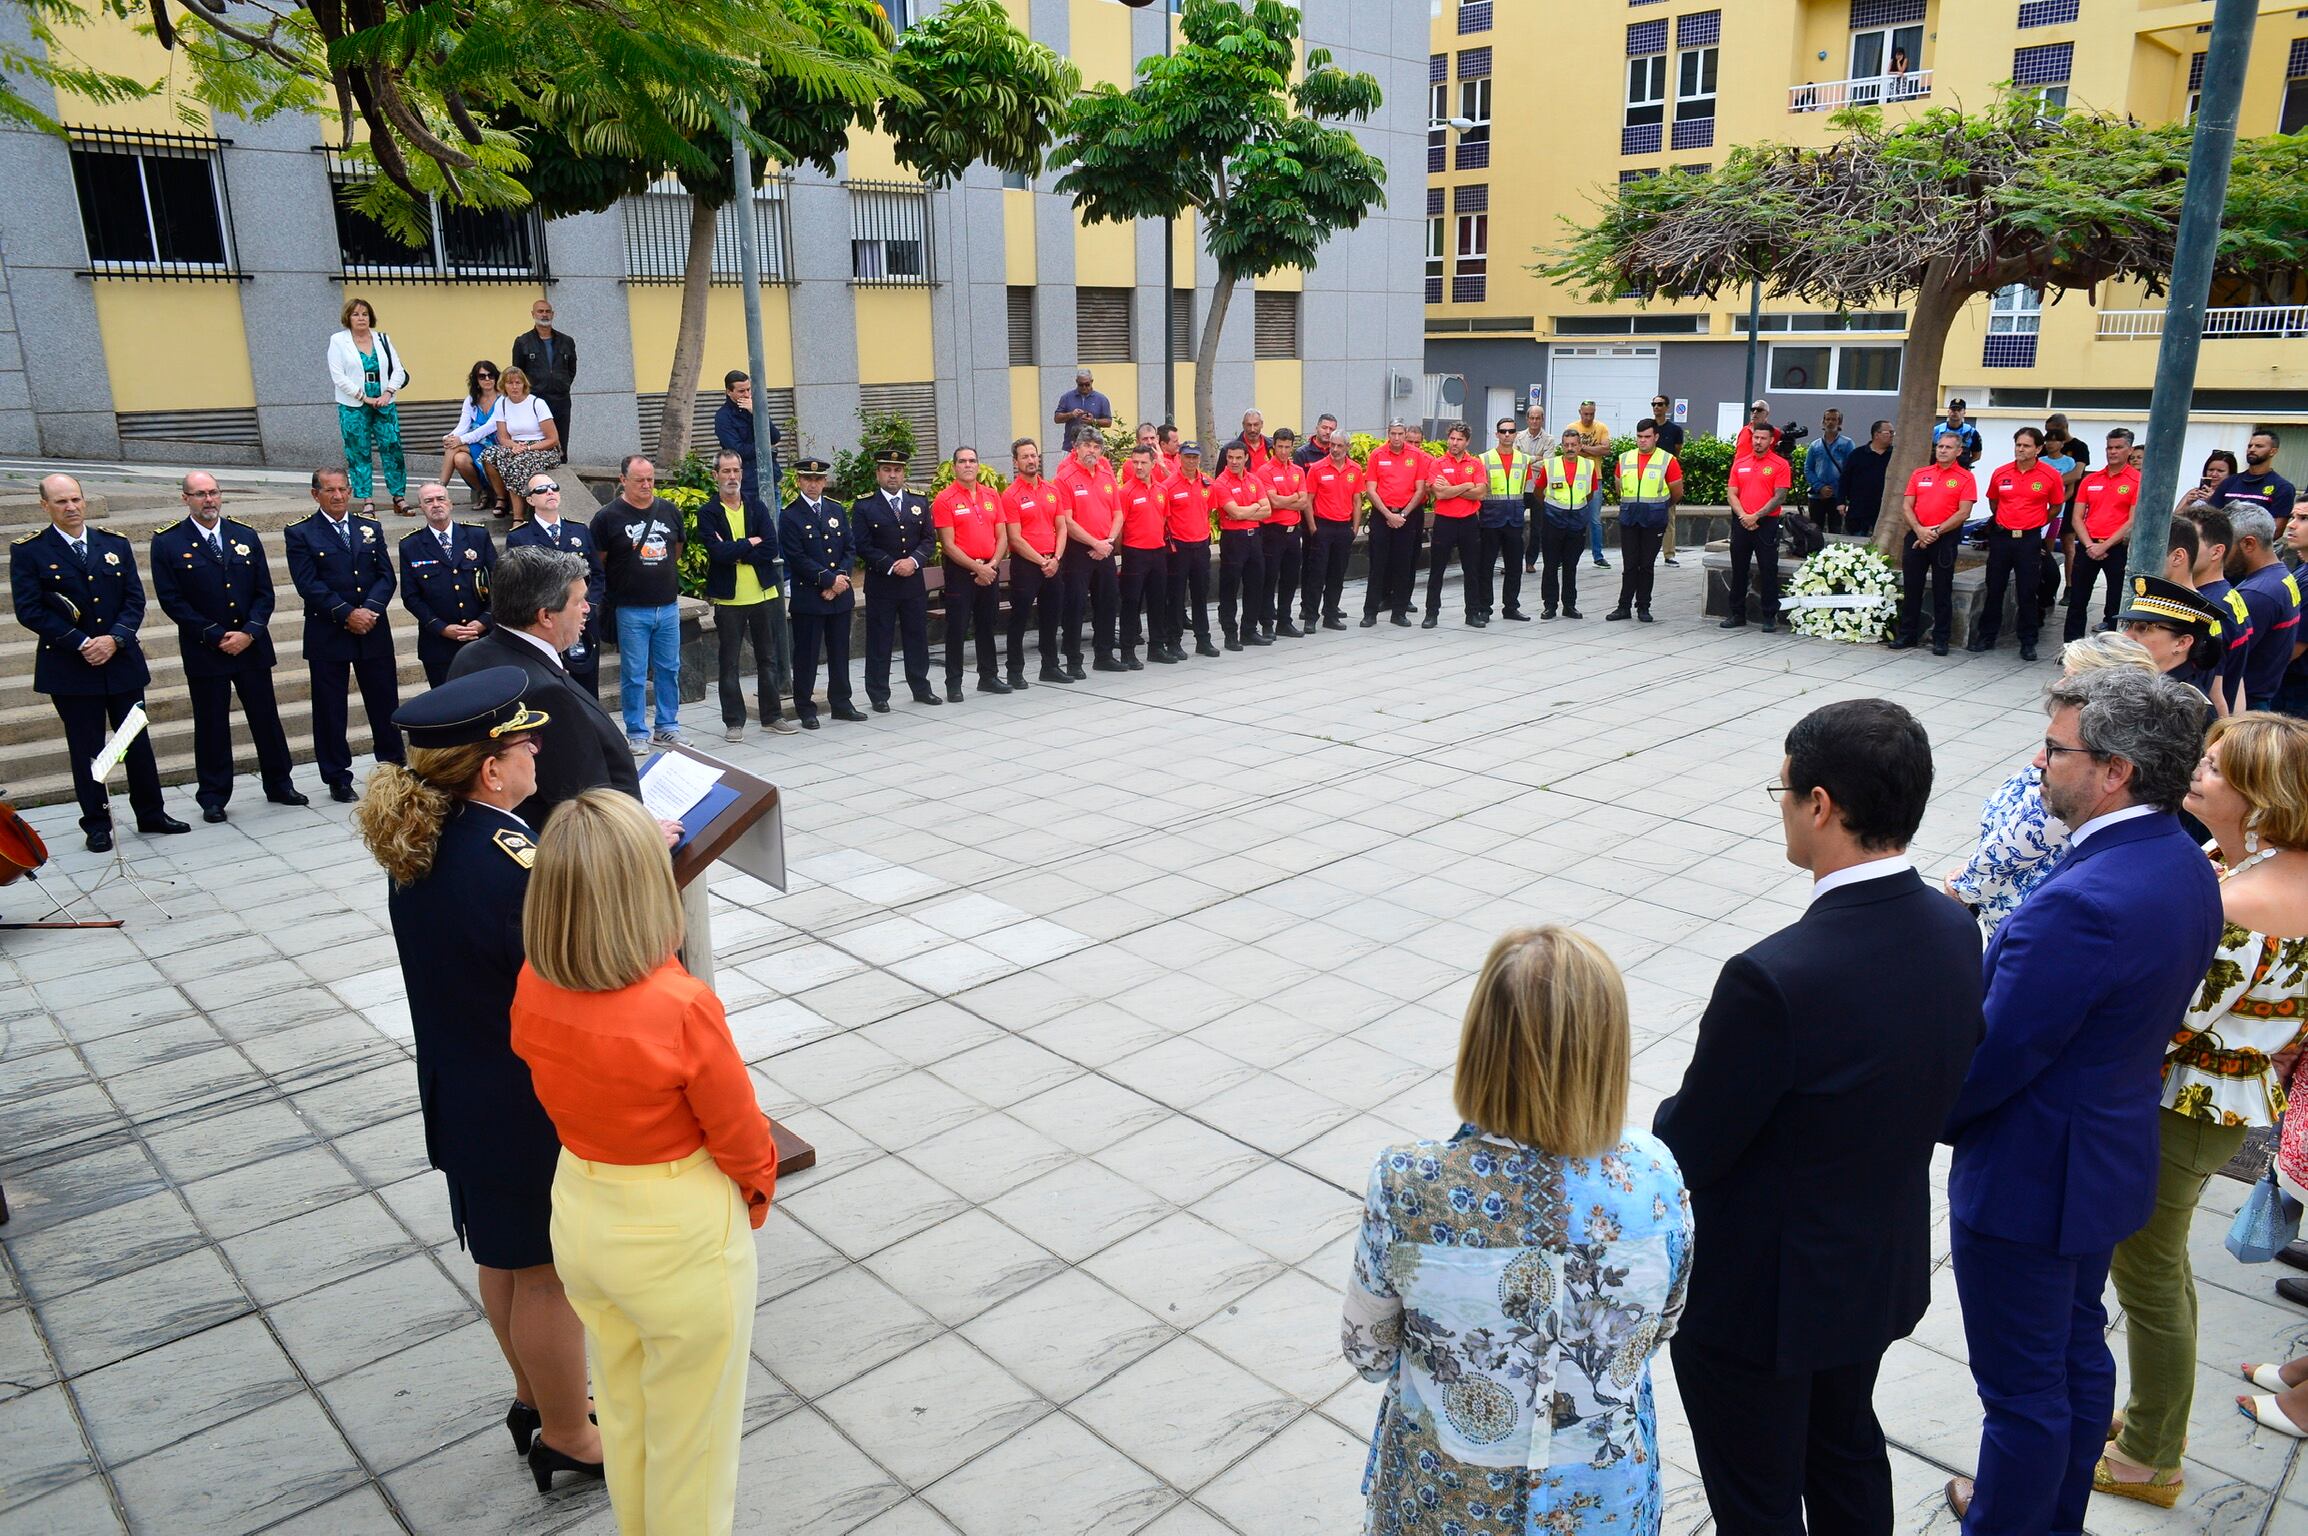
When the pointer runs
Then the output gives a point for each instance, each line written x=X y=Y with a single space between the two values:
x=517 y=847
x=164 y=527
x=28 y=538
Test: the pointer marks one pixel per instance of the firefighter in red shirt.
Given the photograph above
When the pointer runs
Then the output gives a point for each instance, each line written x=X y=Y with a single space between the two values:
x=1395 y=485
x=1458 y=480
x=1255 y=447
x=1093 y=507
x=1334 y=489
x=1937 y=498
x=2024 y=495
x=1187 y=511
x=1281 y=539
x=1145 y=563
x=1240 y=500
x=2106 y=499
x=1034 y=524
x=968 y=517
x=1760 y=481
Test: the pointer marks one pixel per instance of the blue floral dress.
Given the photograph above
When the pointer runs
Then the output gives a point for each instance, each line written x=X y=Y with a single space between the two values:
x=1512 y=1300
x=2019 y=842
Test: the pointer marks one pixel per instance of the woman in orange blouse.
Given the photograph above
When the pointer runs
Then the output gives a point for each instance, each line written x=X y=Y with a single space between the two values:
x=666 y=1162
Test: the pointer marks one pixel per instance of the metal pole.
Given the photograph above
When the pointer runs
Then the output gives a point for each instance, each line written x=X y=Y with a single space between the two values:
x=2191 y=285
x=1754 y=326
x=1169 y=284
x=749 y=276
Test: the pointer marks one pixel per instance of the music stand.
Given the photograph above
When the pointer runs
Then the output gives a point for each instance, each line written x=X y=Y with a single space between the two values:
x=118 y=871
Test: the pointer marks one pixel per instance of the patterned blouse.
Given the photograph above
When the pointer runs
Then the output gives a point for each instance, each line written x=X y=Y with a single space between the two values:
x=2253 y=1004
x=2019 y=841
x=1512 y=1301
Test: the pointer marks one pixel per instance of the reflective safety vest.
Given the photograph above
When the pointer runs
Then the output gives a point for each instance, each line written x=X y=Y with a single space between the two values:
x=1570 y=487
x=1650 y=484
x=1506 y=482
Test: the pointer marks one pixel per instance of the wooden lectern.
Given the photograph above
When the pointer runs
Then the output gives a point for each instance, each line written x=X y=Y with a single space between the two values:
x=748 y=833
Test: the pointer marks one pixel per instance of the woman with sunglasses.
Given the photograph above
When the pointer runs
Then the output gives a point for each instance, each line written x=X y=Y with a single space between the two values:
x=462 y=449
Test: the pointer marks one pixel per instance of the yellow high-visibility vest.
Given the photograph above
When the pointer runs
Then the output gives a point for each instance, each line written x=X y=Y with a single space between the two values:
x=1507 y=482
x=1648 y=485
x=1570 y=487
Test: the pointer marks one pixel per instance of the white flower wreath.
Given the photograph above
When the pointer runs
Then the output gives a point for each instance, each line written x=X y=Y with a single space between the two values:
x=1845 y=592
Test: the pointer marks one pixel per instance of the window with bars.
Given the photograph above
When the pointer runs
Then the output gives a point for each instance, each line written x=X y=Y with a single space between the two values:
x=1475 y=142
x=1434 y=201
x=1021 y=327
x=459 y=244
x=1102 y=325
x=2293 y=116
x=1182 y=337
x=1435 y=237
x=1274 y=332
x=1474 y=199
x=1438 y=68
x=1469 y=276
x=1474 y=16
x=2014 y=319
x=889 y=234
x=2048 y=13
x=657 y=235
x=2047 y=64
x=152 y=204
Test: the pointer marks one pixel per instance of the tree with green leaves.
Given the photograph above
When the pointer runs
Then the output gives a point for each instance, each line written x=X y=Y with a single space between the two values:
x=1933 y=213
x=1221 y=130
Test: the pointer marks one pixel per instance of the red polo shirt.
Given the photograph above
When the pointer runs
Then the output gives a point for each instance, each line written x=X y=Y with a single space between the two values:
x=974 y=512
x=1092 y=496
x=1186 y=501
x=1283 y=478
x=2106 y=499
x=1035 y=506
x=1241 y=490
x=1396 y=477
x=1167 y=466
x=1459 y=469
x=1143 y=511
x=1942 y=492
x=2025 y=499
x=1335 y=488
x=1261 y=450
x=1756 y=477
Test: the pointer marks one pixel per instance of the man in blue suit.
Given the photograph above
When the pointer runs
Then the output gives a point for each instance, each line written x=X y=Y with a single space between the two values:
x=343 y=572
x=2055 y=1130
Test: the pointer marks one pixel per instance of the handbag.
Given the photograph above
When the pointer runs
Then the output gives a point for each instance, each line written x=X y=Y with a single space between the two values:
x=2268 y=1222
x=1803 y=535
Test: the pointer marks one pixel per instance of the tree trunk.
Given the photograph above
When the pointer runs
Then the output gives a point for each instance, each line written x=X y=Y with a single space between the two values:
x=1939 y=298
x=689 y=341
x=1206 y=364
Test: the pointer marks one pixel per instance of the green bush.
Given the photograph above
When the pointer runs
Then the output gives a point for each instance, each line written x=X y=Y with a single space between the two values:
x=853 y=470
x=689 y=498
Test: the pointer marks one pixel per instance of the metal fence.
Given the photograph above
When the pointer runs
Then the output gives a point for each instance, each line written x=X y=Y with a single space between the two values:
x=153 y=204
x=657 y=234
x=459 y=245
x=889 y=234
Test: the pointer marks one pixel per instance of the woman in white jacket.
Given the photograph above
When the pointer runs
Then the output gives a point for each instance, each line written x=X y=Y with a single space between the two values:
x=368 y=375
x=462 y=447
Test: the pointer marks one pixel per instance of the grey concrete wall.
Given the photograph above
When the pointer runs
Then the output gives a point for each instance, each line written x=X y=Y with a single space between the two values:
x=587 y=257
x=1504 y=362
x=19 y=427
x=969 y=313
x=284 y=223
x=825 y=385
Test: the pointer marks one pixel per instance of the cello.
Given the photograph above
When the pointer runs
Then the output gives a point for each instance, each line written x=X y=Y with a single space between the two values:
x=22 y=853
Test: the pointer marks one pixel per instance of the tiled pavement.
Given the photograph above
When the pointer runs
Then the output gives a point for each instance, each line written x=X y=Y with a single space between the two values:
x=1096 y=1002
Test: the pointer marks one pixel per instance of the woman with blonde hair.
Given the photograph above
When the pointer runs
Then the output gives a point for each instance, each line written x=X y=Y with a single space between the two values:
x=1512 y=1283
x=666 y=1164
x=527 y=441
x=444 y=830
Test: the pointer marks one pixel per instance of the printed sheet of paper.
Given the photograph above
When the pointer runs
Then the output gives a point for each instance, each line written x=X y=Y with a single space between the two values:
x=672 y=784
x=117 y=748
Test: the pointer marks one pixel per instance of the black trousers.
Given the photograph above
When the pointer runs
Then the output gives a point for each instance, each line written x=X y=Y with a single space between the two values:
x=1243 y=607
x=2080 y=576
x=1190 y=587
x=88 y=719
x=380 y=696
x=1031 y=592
x=1393 y=564
x=1757 y=546
x=1782 y=1455
x=1559 y=552
x=1461 y=536
x=1145 y=597
x=2016 y=556
x=1096 y=586
x=435 y=655
x=830 y=632
x=896 y=609
x=1639 y=564
x=212 y=733
x=971 y=609
x=1499 y=549
x=1327 y=552
x=1282 y=550
x=733 y=625
x=1917 y=562
x=559 y=405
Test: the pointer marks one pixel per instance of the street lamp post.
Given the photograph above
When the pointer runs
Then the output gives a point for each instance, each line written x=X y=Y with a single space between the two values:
x=749 y=277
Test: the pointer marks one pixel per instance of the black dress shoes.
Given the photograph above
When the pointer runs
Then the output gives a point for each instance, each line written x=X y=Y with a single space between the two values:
x=1517 y=615
x=1736 y=621
x=1256 y=639
x=1289 y=631
x=881 y=706
x=926 y=697
x=1233 y=643
x=1203 y=647
x=343 y=794
x=1055 y=675
x=1572 y=613
x=1335 y=621
x=1429 y=622
x=1900 y=643
x=1939 y=647
x=848 y=712
x=1402 y=621
x=1615 y=615
x=212 y=813
x=156 y=826
x=1074 y=672
x=1370 y=621
x=1978 y=644
x=1643 y=616
x=1107 y=664
x=289 y=797
x=100 y=840
x=808 y=722
x=1018 y=683
x=953 y=693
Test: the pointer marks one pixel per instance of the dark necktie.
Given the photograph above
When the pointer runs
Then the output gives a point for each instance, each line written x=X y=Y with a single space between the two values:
x=344 y=527
x=79 y=551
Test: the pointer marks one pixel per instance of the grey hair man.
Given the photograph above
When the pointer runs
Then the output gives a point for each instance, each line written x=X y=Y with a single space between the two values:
x=2271 y=597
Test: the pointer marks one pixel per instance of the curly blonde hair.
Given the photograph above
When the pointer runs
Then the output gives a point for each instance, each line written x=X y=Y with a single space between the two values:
x=403 y=809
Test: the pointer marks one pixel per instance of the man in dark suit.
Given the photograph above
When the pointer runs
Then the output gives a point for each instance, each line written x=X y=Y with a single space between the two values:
x=1805 y=1127
x=340 y=568
x=895 y=533
x=813 y=534
x=445 y=582
x=548 y=529
x=539 y=604
x=76 y=588
x=210 y=576
x=742 y=577
x=2056 y=1142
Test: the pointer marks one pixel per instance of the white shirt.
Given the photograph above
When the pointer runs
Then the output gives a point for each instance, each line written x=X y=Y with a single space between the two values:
x=2128 y=813
x=545 y=646
x=1852 y=874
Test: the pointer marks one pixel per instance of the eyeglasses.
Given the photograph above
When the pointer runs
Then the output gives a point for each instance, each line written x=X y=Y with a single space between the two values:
x=484 y=374
x=542 y=486
x=1773 y=792
x=2053 y=749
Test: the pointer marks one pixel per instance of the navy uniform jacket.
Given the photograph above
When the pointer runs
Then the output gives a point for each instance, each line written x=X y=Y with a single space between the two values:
x=334 y=580
x=580 y=748
x=439 y=590
x=67 y=606
x=725 y=552
x=885 y=537
x=817 y=547
x=211 y=598
x=574 y=538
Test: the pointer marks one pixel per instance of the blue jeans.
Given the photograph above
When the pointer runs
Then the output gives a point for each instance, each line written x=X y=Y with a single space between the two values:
x=649 y=640
x=1595 y=522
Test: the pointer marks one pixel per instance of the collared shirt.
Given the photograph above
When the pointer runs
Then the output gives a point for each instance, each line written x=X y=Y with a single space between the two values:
x=2103 y=822
x=211 y=535
x=1099 y=407
x=974 y=513
x=546 y=646
x=1034 y=507
x=1396 y=477
x=1459 y=469
x=1144 y=508
x=1941 y=491
x=1239 y=490
x=2106 y=499
x=1335 y=488
x=1092 y=496
x=1283 y=477
x=2025 y=499
x=1755 y=478
x=1187 y=497
x=1852 y=874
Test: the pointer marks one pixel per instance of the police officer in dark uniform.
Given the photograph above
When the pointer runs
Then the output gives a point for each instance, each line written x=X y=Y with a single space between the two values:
x=445 y=582
x=548 y=529
x=813 y=533
x=894 y=535
x=339 y=566
x=76 y=588
x=210 y=576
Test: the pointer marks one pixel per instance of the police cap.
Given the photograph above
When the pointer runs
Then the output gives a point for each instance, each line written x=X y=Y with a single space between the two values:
x=2154 y=600
x=812 y=466
x=480 y=706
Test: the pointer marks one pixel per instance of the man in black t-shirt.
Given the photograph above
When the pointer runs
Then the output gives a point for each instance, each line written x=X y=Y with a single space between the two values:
x=1863 y=480
x=639 y=538
x=1671 y=436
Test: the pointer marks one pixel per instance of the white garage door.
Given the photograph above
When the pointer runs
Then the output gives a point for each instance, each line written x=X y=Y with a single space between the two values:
x=1620 y=379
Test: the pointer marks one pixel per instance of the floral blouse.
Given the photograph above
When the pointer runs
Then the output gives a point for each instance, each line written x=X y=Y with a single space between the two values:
x=1512 y=1301
x=2019 y=841
x=2254 y=1003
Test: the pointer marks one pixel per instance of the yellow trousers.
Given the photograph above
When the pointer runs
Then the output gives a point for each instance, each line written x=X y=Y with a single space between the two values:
x=658 y=1260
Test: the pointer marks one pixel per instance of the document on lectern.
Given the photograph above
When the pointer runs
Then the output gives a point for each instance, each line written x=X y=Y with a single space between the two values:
x=671 y=785
x=117 y=748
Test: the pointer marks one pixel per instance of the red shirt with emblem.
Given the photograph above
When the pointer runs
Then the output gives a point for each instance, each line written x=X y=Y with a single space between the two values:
x=1942 y=491
x=1143 y=512
x=1187 y=501
x=1336 y=487
x=1396 y=477
x=2028 y=498
x=1459 y=469
x=1035 y=506
x=1261 y=451
x=2106 y=498
x=1280 y=477
x=1756 y=478
x=1092 y=496
x=1241 y=490
x=974 y=512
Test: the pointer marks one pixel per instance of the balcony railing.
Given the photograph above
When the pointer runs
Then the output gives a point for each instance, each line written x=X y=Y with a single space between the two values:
x=1868 y=91
x=2284 y=320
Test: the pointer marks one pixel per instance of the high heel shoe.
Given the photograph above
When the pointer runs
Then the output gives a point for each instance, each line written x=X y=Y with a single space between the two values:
x=544 y=1461
x=522 y=1422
